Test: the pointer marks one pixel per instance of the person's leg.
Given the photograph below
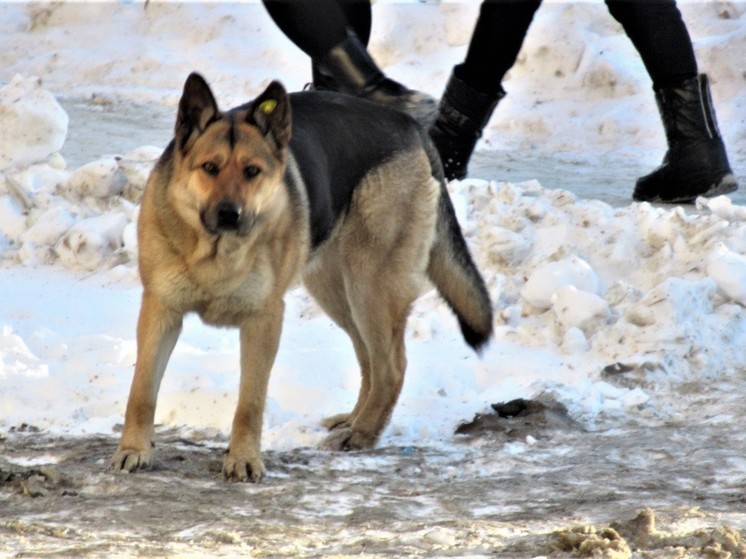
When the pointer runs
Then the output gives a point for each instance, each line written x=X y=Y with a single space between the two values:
x=315 y=27
x=340 y=60
x=359 y=17
x=474 y=88
x=495 y=43
x=696 y=163
x=659 y=34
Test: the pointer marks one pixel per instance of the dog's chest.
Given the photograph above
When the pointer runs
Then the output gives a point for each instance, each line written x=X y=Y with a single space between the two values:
x=224 y=289
x=231 y=303
x=229 y=294
x=228 y=310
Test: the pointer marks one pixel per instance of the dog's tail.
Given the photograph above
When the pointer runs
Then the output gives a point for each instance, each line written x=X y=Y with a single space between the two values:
x=456 y=277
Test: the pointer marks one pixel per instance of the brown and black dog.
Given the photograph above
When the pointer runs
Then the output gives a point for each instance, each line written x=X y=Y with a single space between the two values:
x=344 y=194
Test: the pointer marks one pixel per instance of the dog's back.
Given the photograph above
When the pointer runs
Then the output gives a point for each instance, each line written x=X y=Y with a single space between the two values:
x=336 y=140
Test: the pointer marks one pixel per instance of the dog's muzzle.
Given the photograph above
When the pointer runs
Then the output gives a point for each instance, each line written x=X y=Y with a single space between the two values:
x=227 y=216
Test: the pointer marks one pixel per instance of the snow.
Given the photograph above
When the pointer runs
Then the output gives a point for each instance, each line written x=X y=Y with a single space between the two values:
x=34 y=124
x=578 y=284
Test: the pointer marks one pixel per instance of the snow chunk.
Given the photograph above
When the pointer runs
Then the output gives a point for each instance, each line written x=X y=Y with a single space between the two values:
x=546 y=279
x=91 y=242
x=574 y=341
x=136 y=166
x=36 y=186
x=16 y=358
x=728 y=269
x=100 y=179
x=34 y=124
x=50 y=225
x=723 y=207
x=12 y=218
x=673 y=302
x=114 y=175
x=505 y=246
x=575 y=308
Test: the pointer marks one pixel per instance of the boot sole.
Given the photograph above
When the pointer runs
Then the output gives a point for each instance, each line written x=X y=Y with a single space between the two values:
x=726 y=185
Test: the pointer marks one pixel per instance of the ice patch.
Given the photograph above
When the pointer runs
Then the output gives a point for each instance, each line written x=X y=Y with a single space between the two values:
x=34 y=461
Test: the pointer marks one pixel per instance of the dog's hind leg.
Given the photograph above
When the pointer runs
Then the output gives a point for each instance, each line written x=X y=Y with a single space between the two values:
x=344 y=420
x=380 y=316
x=325 y=283
x=382 y=248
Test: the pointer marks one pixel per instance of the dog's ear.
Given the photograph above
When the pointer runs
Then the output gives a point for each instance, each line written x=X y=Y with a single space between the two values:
x=197 y=110
x=270 y=113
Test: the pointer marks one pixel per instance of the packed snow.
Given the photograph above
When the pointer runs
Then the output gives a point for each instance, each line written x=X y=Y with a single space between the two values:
x=582 y=288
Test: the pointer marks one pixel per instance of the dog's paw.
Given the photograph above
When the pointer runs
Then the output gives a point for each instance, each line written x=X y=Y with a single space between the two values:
x=339 y=421
x=131 y=460
x=347 y=438
x=243 y=468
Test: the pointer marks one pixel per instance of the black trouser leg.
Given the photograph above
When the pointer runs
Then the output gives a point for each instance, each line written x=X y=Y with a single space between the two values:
x=495 y=43
x=359 y=17
x=474 y=87
x=659 y=34
x=315 y=27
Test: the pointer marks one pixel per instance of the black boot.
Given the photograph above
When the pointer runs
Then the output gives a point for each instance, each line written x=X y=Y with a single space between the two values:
x=463 y=113
x=696 y=163
x=348 y=68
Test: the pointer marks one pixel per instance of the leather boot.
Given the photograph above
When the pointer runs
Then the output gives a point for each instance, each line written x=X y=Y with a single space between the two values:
x=696 y=163
x=348 y=68
x=462 y=114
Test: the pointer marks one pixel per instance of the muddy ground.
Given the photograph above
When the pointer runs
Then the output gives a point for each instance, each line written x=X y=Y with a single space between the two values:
x=529 y=483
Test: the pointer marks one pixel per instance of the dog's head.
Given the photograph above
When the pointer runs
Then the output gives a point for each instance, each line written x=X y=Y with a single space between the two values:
x=229 y=165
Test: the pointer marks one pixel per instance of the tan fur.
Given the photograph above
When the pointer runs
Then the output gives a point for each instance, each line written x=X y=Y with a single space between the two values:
x=365 y=276
x=229 y=282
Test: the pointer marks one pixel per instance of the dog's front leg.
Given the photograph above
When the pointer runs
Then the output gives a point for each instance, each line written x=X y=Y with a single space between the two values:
x=260 y=338
x=158 y=328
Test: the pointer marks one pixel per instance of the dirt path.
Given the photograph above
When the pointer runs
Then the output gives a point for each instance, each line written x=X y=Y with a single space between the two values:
x=672 y=490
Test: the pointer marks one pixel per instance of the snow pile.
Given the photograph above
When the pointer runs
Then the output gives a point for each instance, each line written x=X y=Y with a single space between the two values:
x=34 y=124
x=617 y=312
x=657 y=290
x=81 y=218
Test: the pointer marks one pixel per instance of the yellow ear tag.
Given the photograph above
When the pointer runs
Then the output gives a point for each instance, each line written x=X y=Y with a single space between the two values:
x=268 y=106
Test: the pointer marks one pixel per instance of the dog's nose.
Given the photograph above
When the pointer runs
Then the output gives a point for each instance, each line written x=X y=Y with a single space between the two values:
x=228 y=215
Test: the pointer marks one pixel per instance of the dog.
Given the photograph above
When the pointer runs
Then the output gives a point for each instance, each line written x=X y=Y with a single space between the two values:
x=337 y=191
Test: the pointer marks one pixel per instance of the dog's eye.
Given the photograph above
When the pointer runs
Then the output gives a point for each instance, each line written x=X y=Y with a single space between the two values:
x=210 y=168
x=251 y=171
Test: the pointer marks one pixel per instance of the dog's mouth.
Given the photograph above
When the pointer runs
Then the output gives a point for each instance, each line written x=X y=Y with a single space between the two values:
x=227 y=216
